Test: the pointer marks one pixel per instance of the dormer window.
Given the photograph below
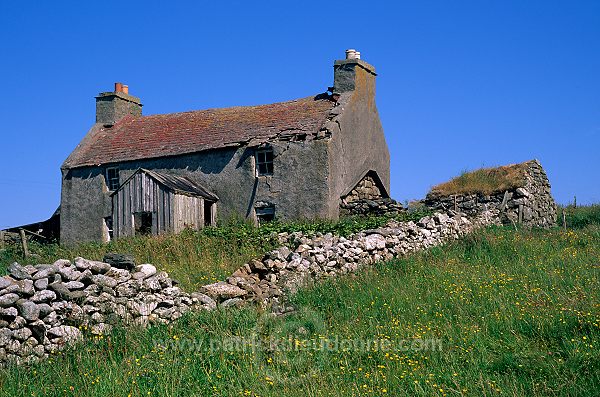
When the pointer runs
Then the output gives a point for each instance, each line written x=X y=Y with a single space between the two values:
x=112 y=178
x=264 y=161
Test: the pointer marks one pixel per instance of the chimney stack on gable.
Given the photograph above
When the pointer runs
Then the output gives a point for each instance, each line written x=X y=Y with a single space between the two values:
x=353 y=74
x=113 y=106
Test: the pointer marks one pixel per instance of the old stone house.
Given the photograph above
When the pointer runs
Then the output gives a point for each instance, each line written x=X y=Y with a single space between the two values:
x=134 y=174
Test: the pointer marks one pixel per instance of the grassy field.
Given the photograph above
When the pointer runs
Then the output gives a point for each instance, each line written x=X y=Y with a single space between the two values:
x=500 y=313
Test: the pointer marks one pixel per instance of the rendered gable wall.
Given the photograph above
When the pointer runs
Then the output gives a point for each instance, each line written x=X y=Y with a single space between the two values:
x=358 y=143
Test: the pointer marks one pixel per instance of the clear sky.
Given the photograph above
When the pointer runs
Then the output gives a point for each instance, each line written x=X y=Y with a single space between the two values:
x=462 y=84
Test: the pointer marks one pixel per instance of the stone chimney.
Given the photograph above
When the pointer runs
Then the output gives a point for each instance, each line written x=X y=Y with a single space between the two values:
x=353 y=74
x=112 y=106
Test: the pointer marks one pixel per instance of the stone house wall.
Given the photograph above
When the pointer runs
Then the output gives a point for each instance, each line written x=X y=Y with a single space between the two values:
x=299 y=167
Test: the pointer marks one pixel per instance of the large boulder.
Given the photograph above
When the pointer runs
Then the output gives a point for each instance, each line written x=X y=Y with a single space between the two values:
x=222 y=291
x=64 y=334
x=28 y=310
x=19 y=272
x=121 y=261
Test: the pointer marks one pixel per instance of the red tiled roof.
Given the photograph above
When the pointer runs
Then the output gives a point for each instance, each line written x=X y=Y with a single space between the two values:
x=134 y=138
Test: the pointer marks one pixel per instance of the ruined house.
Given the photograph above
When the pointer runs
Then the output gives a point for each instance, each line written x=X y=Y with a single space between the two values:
x=133 y=174
x=520 y=192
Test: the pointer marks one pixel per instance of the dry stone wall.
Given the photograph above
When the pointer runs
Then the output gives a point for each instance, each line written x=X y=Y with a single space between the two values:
x=366 y=199
x=302 y=259
x=530 y=204
x=43 y=308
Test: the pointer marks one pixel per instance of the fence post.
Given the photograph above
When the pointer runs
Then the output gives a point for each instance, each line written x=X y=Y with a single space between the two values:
x=24 y=243
x=564 y=218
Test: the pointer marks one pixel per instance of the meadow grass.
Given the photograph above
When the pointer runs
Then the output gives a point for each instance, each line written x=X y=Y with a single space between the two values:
x=499 y=313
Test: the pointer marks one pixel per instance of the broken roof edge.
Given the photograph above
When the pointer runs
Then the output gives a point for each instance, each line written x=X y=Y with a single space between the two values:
x=82 y=144
x=166 y=156
x=254 y=142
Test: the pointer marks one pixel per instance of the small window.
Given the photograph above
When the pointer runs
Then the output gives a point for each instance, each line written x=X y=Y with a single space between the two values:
x=264 y=162
x=112 y=178
x=265 y=214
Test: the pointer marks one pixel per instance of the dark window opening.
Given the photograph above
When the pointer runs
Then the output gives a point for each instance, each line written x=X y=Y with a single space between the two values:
x=208 y=216
x=265 y=214
x=264 y=162
x=112 y=178
x=143 y=223
x=108 y=222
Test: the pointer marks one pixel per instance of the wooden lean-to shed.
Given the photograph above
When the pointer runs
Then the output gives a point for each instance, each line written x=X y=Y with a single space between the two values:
x=149 y=202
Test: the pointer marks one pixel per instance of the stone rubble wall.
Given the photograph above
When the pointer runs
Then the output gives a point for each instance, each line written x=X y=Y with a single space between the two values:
x=43 y=308
x=379 y=207
x=530 y=205
x=366 y=189
x=366 y=199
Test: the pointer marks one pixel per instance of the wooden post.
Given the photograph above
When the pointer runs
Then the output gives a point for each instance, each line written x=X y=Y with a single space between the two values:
x=574 y=201
x=24 y=243
x=564 y=218
x=1 y=239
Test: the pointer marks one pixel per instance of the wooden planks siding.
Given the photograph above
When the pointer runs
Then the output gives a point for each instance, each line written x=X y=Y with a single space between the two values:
x=170 y=212
x=187 y=212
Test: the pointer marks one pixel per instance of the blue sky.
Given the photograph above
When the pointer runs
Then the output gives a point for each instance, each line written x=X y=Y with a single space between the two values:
x=461 y=84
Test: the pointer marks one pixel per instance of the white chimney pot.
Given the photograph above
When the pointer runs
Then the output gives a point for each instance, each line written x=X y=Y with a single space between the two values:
x=351 y=54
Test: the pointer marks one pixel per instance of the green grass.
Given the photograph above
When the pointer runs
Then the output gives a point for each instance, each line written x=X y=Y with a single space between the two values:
x=579 y=217
x=196 y=258
x=510 y=313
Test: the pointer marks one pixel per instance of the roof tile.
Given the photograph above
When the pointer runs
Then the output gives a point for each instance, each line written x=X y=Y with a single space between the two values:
x=135 y=138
